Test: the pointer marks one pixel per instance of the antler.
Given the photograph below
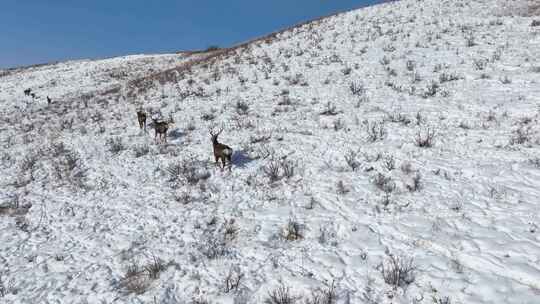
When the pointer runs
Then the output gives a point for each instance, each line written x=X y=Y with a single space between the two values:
x=213 y=132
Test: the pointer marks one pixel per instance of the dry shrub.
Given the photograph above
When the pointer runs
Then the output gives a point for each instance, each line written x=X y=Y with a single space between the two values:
x=425 y=139
x=281 y=295
x=323 y=296
x=293 y=231
x=398 y=271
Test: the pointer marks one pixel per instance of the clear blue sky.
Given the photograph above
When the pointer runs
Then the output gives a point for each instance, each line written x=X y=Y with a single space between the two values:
x=39 y=31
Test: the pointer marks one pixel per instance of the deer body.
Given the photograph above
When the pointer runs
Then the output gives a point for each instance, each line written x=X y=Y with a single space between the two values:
x=27 y=92
x=221 y=151
x=49 y=100
x=141 y=117
x=160 y=128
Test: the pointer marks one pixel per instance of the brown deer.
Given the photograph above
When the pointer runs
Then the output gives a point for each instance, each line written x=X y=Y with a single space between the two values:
x=141 y=117
x=161 y=128
x=49 y=100
x=221 y=151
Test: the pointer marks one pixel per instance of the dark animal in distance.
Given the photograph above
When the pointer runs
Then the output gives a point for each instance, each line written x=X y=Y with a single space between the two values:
x=27 y=92
x=49 y=100
x=221 y=151
x=33 y=95
x=141 y=117
x=161 y=128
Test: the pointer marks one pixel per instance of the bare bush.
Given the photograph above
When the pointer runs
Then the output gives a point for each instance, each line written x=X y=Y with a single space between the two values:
x=276 y=169
x=135 y=280
x=411 y=65
x=351 y=159
x=464 y=125
x=443 y=300
x=326 y=295
x=431 y=89
x=69 y=166
x=230 y=229
x=416 y=183
x=357 y=88
x=338 y=124
x=260 y=136
x=346 y=71
x=281 y=295
x=189 y=170
x=480 y=64
x=214 y=244
x=208 y=116
x=535 y=162
x=233 y=278
x=385 y=60
x=115 y=145
x=398 y=271
x=7 y=288
x=389 y=162
x=341 y=188
x=447 y=77
x=242 y=108
x=155 y=267
x=398 y=117
x=425 y=139
x=3 y=291
x=330 y=109
x=29 y=162
x=470 y=40
x=375 y=130
x=288 y=168
x=297 y=79
x=141 y=150
x=273 y=170
x=505 y=80
x=13 y=207
x=384 y=183
x=293 y=231
x=521 y=135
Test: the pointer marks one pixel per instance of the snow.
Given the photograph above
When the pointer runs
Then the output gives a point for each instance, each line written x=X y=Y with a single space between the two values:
x=471 y=227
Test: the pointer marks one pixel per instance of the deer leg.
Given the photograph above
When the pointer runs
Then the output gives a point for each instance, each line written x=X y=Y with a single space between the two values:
x=223 y=163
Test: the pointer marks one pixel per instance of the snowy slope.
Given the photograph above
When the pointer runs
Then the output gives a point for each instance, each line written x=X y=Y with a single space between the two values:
x=75 y=78
x=333 y=173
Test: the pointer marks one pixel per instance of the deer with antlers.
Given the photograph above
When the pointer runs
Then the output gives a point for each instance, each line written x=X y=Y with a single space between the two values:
x=141 y=117
x=221 y=151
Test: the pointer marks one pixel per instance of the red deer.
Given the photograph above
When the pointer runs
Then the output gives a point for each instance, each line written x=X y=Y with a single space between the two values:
x=141 y=117
x=221 y=151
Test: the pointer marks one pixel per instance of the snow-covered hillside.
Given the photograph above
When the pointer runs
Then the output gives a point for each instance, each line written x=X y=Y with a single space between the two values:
x=76 y=78
x=385 y=155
